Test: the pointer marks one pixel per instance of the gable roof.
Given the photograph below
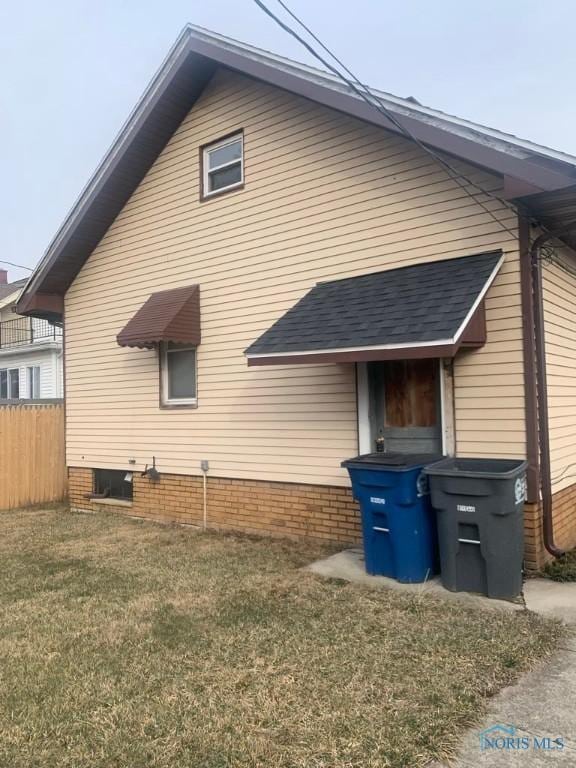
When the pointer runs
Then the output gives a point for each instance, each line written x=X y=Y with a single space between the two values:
x=172 y=92
x=11 y=291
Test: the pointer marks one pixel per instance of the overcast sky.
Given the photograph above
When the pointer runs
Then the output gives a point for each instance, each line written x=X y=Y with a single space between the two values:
x=73 y=69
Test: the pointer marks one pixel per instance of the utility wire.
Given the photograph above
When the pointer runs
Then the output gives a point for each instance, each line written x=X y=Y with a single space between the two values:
x=18 y=266
x=365 y=93
x=549 y=255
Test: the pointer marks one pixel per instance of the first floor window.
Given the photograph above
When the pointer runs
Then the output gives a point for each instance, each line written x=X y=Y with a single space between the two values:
x=178 y=369
x=33 y=382
x=9 y=383
x=113 y=484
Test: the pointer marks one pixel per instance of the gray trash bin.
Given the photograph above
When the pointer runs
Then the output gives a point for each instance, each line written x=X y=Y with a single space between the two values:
x=480 y=518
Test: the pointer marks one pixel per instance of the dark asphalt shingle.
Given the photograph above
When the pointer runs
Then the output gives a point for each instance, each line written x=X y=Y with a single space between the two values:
x=409 y=305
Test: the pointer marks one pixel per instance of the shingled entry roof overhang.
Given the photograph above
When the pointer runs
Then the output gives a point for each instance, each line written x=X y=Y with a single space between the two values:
x=167 y=316
x=530 y=172
x=425 y=310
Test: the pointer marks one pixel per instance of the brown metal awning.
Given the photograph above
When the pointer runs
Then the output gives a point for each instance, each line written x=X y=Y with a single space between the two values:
x=172 y=315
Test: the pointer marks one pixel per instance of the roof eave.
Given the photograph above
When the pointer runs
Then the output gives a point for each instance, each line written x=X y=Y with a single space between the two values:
x=553 y=175
x=196 y=54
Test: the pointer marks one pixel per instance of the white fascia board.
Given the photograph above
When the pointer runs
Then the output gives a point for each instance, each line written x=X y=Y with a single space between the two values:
x=481 y=295
x=338 y=350
x=36 y=348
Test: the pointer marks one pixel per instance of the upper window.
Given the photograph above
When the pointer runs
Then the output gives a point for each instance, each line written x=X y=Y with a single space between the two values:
x=178 y=365
x=223 y=165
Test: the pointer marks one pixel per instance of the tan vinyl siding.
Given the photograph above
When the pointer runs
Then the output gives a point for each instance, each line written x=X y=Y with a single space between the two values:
x=325 y=196
x=560 y=323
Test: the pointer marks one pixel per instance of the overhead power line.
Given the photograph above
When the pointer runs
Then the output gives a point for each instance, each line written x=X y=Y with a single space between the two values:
x=374 y=101
x=18 y=266
x=550 y=255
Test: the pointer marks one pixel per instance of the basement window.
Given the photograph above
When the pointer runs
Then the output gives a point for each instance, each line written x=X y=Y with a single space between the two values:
x=113 y=484
x=223 y=165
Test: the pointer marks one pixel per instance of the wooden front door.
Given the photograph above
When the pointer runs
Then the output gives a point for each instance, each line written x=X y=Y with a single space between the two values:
x=405 y=405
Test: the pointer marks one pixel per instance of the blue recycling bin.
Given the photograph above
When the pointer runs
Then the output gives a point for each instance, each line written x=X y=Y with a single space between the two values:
x=398 y=523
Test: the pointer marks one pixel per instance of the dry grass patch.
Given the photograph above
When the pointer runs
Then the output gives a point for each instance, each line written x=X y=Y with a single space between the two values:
x=130 y=644
x=562 y=569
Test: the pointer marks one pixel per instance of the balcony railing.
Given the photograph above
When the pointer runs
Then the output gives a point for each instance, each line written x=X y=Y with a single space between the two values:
x=27 y=330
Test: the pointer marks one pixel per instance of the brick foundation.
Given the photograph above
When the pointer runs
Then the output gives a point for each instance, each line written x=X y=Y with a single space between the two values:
x=564 y=511
x=289 y=509
x=251 y=506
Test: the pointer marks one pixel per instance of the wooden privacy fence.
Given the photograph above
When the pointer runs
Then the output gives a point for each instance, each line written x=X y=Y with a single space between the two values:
x=32 y=457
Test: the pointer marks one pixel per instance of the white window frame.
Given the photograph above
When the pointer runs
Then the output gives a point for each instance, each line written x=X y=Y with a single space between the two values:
x=31 y=378
x=9 y=383
x=184 y=401
x=207 y=171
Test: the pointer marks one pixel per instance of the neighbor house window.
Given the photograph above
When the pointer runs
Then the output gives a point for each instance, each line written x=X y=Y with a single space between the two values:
x=113 y=484
x=223 y=165
x=9 y=383
x=33 y=382
x=178 y=368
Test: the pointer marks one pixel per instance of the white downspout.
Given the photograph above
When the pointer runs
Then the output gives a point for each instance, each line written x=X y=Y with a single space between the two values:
x=59 y=373
x=204 y=466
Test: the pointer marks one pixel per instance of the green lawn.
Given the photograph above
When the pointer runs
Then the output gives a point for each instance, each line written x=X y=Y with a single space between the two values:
x=131 y=645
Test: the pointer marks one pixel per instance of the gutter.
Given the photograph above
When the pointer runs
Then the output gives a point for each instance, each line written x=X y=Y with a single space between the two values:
x=538 y=344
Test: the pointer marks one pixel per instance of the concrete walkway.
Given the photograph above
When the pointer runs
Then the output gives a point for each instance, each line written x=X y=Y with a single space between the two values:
x=349 y=565
x=552 y=599
x=542 y=705
x=540 y=708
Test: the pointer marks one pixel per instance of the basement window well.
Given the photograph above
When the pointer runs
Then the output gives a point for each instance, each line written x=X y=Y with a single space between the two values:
x=113 y=484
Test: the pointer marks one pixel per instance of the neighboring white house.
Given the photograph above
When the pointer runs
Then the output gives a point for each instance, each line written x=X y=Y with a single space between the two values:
x=30 y=350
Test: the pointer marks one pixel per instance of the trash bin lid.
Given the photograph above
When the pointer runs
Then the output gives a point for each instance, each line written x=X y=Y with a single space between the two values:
x=468 y=467
x=398 y=462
